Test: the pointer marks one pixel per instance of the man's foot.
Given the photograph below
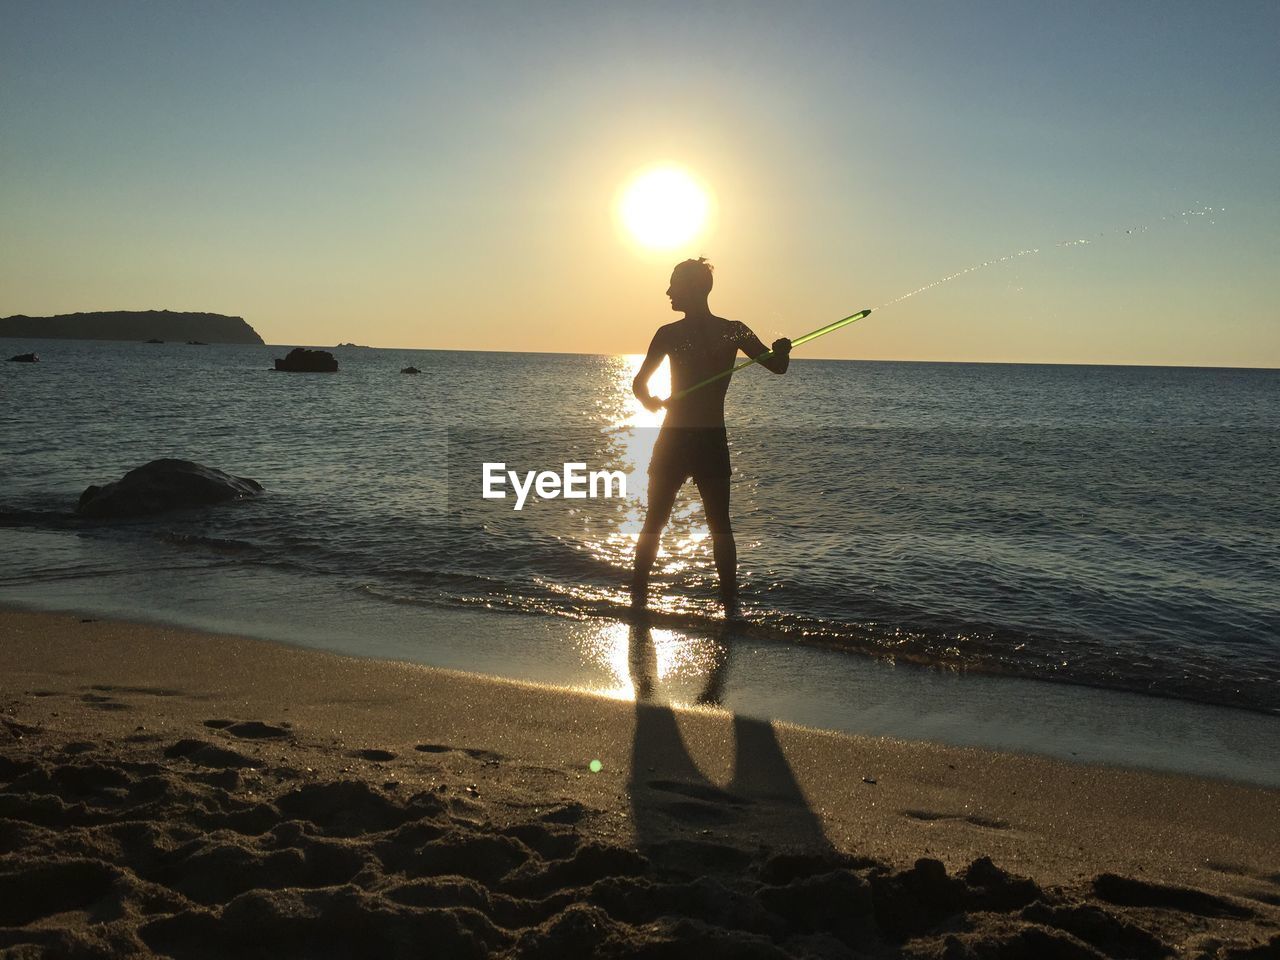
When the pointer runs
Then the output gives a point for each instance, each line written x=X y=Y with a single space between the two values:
x=731 y=609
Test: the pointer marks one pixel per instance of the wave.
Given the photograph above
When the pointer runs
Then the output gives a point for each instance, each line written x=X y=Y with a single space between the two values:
x=964 y=648
x=503 y=570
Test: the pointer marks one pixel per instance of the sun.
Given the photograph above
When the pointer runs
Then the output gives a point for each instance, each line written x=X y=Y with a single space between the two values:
x=664 y=207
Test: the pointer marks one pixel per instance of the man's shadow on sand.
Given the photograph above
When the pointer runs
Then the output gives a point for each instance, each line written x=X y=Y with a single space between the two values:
x=673 y=801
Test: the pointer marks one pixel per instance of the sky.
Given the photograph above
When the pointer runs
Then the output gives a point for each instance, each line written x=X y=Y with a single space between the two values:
x=447 y=175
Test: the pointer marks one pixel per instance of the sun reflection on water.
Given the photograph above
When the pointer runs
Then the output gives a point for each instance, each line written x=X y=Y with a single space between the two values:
x=679 y=662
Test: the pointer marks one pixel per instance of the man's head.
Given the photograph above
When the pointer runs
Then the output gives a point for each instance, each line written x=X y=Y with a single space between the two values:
x=690 y=284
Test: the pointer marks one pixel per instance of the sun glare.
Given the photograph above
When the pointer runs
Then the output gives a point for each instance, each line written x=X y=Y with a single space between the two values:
x=664 y=207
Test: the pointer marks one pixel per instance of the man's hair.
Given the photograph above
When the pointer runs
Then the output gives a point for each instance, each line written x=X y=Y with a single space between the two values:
x=698 y=273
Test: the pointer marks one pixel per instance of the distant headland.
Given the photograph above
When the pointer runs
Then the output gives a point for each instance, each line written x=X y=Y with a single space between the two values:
x=132 y=325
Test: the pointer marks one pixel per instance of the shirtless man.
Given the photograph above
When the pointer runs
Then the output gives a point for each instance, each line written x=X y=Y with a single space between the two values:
x=693 y=442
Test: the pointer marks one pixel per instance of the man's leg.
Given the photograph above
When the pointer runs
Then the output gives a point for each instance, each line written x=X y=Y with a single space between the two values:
x=662 y=497
x=715 y=504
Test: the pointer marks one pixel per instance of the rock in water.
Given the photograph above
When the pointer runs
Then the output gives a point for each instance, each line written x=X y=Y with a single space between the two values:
x=410 y=370
x=25 y=358
x=164 y=485
x=301 y=360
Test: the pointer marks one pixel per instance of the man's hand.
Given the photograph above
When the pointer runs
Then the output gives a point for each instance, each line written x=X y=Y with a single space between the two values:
x=781 y=347
x=652 y=403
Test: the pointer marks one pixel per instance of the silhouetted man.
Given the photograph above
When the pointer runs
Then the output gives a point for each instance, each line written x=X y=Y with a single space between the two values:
x=693 y=442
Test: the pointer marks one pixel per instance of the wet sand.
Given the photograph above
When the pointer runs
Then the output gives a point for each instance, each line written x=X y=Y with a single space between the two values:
x=195 y=795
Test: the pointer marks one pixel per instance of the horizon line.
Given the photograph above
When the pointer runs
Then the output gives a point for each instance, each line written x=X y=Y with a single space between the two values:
x=580 y=353
x=640 y=353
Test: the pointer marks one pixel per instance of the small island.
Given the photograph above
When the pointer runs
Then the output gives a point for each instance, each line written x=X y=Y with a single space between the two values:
x=138 y=325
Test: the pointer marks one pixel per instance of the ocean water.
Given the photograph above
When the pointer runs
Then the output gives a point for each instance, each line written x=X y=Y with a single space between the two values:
x=1105 y=527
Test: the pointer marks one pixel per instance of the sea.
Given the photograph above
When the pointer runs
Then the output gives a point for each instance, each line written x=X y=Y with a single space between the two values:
x=1082 y=561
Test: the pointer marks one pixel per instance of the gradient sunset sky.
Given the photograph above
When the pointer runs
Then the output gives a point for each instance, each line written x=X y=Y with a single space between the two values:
x=446 y=175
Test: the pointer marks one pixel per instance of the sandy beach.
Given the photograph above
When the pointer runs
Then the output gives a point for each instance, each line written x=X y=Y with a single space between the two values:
x=639 y=481
x=191 y=795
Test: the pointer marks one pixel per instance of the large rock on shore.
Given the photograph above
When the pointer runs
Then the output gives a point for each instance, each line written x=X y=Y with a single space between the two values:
x=164 y=485
x=300 y=360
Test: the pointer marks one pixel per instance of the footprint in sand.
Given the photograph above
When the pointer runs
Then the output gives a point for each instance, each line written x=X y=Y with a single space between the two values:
x=569 y=812
x=473 y=752
x=208 y=755
x=377 y=756
x=928 y=816
x=250 y=729
x=18 y=730
x=149 y=691
x=699 y=791
x=1130 y=892
x=103 y=703
x=144 y=738
x=700 y=802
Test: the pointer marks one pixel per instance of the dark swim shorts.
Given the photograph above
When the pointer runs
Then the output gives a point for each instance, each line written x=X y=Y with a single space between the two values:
x=683 y=452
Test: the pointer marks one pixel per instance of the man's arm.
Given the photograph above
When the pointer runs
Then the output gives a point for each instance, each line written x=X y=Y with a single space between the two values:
x=652 y=360
x=753 y=346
